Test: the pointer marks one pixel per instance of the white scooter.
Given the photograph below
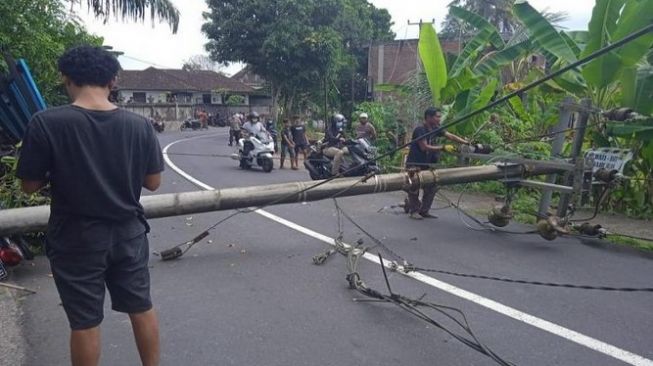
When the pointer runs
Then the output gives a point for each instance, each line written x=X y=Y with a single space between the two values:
x=255 y=150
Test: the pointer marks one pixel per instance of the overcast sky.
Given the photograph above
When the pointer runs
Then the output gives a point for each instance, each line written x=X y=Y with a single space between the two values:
x=145 y=45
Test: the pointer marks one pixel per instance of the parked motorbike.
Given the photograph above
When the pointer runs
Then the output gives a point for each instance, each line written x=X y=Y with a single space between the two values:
x=159 y=126
x=255 y=150
x=359 y=161
x=190 y=124
x=12 y=252
x=216 y=120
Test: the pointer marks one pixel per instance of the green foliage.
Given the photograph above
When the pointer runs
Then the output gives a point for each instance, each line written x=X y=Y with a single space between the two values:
x=430 y=52
x=385 y=118
x=11 y=195
x=644 y=245
x=543 y=33
x=235 y=99
x=40 y=31
x=301 y=47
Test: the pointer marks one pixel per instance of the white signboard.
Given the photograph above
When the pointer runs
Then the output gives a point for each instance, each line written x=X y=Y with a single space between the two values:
x=609 y=158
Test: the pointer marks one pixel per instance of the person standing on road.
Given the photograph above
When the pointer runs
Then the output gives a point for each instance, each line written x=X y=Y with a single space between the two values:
x=287 y=146
x=271 y=127
x=96 y=157
x=365 y=129
x=235 y=124
x=204 y=120
x=298 y=130
x=425 y=151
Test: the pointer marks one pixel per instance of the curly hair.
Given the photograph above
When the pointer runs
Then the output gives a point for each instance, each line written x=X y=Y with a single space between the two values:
x=89 y=65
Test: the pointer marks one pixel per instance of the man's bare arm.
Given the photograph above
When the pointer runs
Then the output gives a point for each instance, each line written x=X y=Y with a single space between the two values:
x=152 y=182
x=31 y=186
x=455 y=138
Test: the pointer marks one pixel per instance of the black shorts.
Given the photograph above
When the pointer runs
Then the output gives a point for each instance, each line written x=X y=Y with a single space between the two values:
x=300 y=148
x=81 y=277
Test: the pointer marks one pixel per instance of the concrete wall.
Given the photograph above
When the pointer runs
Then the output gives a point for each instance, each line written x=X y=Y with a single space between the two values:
x=160 y=97
x=180 y=112
x=167 y=111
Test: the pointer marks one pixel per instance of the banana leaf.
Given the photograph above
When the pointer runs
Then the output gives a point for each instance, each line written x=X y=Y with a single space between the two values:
x=465 y=80
x=637 y=89
x=636 y=15
x=579 y=37
x=495 y=60
x=432 y=57
x=605 y=69
x=470 y=52
x=479 y=23
x=479 y=97
x=472 y=100
x=640 y=130
x=518 y=107
x=574 y=47
x=487 y=34
x=543 y=32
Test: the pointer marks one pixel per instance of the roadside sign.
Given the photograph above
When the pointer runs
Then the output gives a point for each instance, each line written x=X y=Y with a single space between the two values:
x=609 y=159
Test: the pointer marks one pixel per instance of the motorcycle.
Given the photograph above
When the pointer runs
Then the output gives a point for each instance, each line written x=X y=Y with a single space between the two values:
x=190 y=124
x=159 y=126
x=255 y=150
x=359 y=162
x=12 y=252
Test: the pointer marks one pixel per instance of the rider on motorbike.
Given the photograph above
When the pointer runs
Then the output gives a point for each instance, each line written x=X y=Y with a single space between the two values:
x=253 y=127
x=335 y=140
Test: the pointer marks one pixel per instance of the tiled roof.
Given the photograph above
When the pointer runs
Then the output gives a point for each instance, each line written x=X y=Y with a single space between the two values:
x=174 y=79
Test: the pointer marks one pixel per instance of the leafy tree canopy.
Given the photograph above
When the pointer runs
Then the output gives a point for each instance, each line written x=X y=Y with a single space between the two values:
x=40 y=31
x=294 y=44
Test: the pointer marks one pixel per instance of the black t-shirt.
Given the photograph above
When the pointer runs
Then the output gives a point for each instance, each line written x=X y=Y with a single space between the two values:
x=286 y=136
x=299 y=135
x=417 y=157
x=96 y=163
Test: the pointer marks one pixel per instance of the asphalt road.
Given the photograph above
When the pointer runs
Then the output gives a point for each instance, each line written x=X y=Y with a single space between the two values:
x=251 y=296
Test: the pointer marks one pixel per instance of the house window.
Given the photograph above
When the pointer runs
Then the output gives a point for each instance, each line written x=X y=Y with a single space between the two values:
x=139 y=97
x=206 y=98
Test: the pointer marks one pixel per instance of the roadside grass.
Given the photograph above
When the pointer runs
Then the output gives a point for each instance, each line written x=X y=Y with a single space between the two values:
x=643 y=245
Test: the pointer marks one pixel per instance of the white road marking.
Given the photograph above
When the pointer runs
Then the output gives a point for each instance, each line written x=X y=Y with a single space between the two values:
x=571 y=335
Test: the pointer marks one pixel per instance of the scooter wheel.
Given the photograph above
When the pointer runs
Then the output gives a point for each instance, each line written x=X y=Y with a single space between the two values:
x=267 y=165
x=314 y=176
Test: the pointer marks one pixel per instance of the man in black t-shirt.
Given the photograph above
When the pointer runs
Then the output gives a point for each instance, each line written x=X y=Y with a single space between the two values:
x=96 y=158
x=287 y=146
x=425 y=151
x=298 y=131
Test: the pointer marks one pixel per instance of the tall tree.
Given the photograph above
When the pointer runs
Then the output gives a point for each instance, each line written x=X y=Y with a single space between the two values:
x=298 y=46
x=162 y=10
x=497 y=12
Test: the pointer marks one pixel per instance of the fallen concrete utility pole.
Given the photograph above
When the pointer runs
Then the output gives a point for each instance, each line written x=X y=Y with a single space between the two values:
x=33 y=219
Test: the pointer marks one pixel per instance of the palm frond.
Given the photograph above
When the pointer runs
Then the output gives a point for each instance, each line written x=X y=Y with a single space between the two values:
x=162 y=10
